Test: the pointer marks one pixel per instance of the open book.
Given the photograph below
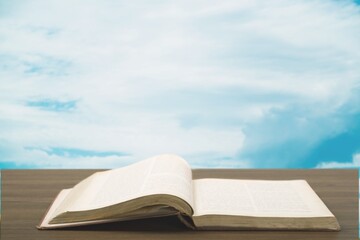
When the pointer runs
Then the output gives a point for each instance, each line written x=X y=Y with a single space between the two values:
x=163 y=186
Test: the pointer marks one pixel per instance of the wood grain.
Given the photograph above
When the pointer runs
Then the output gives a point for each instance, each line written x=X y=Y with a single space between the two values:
x=26 y=194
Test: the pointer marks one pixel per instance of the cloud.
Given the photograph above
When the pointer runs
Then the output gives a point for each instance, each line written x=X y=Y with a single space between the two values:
x=225 y=83
x=355 y=163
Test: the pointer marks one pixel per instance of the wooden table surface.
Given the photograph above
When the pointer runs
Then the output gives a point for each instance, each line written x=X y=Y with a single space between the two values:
x=26 y=194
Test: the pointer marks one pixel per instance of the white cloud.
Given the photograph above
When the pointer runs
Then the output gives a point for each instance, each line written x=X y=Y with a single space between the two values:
x=354 y=164
x=194 y=78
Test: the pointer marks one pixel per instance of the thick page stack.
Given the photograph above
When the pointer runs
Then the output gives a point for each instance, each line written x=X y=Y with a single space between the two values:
x=163 y=186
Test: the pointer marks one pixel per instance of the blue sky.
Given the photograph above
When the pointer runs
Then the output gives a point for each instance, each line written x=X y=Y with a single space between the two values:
x=247 y=84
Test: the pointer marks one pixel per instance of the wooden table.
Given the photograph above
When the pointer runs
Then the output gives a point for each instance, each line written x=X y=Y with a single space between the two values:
x=26 y=194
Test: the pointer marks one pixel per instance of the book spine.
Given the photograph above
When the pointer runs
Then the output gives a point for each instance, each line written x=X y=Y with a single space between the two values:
x=186 y=220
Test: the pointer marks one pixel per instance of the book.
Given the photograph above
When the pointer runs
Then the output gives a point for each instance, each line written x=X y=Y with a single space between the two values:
x=163 y=186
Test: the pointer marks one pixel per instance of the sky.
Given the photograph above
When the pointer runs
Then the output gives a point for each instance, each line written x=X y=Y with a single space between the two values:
x=228 y=84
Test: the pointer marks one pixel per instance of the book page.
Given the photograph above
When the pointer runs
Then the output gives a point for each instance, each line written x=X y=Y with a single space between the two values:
x=258 y=198
x=163 y=174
